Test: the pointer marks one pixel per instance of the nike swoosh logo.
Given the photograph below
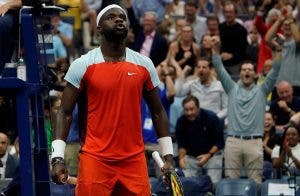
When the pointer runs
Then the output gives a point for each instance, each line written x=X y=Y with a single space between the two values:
x=130 y=73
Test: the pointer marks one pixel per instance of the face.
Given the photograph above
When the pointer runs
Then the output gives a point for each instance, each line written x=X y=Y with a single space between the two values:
x=55 y=107
x=187 y=33
x=292 y=136
x=3 y=144
x=203 y=70
x=179 y=24
x=149 y=23
x=191 y=110
x=269 y=121
x=113 y=25
x=273 y=17
x=206 y=42
x=286 y=28
x=190 y=12
x=55 y=21
x=267 y=66
x=247 y=74
x=285 y=91
x=229 y=13
x=212 y=26
x=253 y=35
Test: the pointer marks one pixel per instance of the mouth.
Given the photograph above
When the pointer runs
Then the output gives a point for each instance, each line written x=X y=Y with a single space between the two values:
x=120 y=27
x=247 y=76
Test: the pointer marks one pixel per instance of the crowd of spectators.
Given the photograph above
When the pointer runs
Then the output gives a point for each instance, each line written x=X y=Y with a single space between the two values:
x=229 y=74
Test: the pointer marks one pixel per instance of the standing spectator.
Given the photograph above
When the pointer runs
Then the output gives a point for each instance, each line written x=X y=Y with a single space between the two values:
x=206 y=47
x=206 y=88
x=175 y=30
x=262 y=27
x=200 y=140
x=233 y=40
x=185 y=50
x=262 y=76
x=8 y=25
x=246 y=109
x=8 y=164
x=253 y=46
x=212 y=22
x=198 y=22
x=291 y=56
x=285 y=106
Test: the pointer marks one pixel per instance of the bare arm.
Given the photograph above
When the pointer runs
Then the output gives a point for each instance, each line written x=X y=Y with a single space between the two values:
x=274 y=28
x=278 y=162
x=10 y=6
x=64 y=115
x=159 y=116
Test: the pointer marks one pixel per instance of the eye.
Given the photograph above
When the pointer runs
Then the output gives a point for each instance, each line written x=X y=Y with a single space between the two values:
x=111 y=17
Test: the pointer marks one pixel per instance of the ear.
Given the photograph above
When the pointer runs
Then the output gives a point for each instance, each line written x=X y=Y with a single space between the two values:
x=99 y=29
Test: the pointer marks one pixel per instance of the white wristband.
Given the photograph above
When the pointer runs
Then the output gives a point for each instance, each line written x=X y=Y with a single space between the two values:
x=165 y=144
x=58 y=148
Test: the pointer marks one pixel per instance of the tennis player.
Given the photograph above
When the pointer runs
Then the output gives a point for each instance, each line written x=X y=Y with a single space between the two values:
x=108 y=82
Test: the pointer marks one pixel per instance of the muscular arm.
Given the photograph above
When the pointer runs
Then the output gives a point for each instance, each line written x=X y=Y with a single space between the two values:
x=64 y=115
x=159 y=116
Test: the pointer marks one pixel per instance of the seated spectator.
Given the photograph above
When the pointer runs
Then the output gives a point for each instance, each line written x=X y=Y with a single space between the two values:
x=288 y=153
x=200 y=141
x=161 y=7
x=64 y=31
x=270 y=139
x=95 y=5
x=8 y=164
x=285 y=106
x=148 y=41
x=295 y=120
x=8 y=25
x=15 y=149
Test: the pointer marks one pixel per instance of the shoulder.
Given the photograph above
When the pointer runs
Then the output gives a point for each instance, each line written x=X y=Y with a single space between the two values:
x=138 y=59
x=210 y=114
x=11 y=160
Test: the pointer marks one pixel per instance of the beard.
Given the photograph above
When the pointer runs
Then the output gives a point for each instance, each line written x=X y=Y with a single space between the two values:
x=114 y=35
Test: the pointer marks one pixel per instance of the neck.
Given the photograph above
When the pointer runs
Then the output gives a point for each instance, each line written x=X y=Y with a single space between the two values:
x=112 y=51
x=230 y=22
x=206 y=81
x=186 y=42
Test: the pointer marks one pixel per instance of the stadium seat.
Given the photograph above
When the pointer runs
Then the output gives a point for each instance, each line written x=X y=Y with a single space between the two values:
x=242 y=187
x=62 y=190
x=265 y=187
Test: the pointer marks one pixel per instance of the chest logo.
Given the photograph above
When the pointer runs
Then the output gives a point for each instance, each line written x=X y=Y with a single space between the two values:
x=131 y=73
